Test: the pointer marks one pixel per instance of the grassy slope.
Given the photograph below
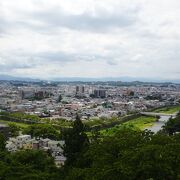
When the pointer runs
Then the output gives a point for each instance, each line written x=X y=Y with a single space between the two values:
x=139 y=124
x=168 y=110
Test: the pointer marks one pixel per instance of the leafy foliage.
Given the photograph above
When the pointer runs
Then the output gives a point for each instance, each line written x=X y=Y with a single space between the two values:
x=131 y=155
x=42 y=130
x=173 y=125
x=27 y=165
x=14 y=129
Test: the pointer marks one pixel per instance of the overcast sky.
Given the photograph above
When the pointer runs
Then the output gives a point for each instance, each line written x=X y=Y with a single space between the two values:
x=90 y=38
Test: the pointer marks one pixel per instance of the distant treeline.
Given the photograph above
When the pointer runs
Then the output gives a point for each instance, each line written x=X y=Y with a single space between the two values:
x=20 y=117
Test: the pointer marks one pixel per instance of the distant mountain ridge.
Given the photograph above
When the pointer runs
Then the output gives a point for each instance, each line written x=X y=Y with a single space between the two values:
x=123 y=79
x=84 y=79
x=14 y=78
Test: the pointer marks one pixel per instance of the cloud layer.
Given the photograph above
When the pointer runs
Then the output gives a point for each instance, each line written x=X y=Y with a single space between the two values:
x=89 y=38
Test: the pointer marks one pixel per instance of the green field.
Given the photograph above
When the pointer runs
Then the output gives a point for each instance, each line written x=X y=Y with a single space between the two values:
x=168 y=110
x=139 y=123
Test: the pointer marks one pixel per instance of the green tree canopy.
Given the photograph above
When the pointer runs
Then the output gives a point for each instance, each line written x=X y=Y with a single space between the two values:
x=131 y=155
x=173 y=125
x=42 y=130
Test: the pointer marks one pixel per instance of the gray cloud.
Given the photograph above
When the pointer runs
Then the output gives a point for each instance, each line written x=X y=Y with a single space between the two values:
x=4 y=26
x=88 y=22
x=57 y=18
x=131 y=39
x=25 y=60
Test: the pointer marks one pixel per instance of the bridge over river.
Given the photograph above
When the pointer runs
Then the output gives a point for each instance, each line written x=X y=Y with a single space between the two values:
x=161 y=121
x=158 y=114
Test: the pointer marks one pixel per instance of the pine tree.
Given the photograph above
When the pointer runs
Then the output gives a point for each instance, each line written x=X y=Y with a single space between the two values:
x=76 y=141
x=2 y=142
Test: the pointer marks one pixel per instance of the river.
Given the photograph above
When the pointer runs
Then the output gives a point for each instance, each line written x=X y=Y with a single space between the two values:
x=158 y=125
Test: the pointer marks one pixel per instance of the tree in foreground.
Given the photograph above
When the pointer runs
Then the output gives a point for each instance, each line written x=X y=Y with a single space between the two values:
x=173 y=125
x=76 y=141
x=131 y=155
x=2 y=142
x=26 y=165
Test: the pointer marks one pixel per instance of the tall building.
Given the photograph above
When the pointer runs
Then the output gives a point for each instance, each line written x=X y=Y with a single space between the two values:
x=31 y=93
x=101 y=93
x=80 y=90
x=27 y=94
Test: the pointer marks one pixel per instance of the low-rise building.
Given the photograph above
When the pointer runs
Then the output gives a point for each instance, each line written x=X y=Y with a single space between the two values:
x=25 y=142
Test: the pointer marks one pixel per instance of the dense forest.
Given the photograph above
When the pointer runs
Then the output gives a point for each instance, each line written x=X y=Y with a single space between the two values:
x=127 y=155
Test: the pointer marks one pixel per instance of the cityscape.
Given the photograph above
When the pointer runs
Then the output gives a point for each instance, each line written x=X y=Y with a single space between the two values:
x=89 y=90
x=91 y=99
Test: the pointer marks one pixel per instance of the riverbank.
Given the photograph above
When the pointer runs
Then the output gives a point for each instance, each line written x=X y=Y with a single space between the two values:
x=168 y=110
x=139 y=123
x=159 y=124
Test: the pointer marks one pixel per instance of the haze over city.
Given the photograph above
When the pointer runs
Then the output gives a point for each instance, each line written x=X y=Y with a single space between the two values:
x=93 y=39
